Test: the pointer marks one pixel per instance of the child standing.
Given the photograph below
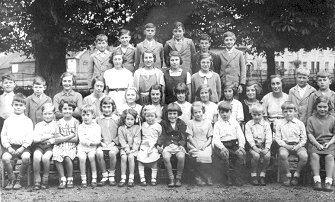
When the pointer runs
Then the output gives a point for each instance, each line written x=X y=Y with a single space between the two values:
x=181 y=92
x=200 y=132
x=130 y=140
x=98 y=85
x=89 y=135
x=259 y=136
x=206 y=76
x=127 y=50
x=109 y=123
x=228 y=140
x=320 y=130
x=252 y=91
x=301 y=93
x=232 y=63
x=148 y=154
x=172 y=142
x=16 y=141
x=184 y=46
x=65 y=148
x=6 y=99
x=291 y=138
x=37 y=100
x=44 y=136
x=211 y=110
x=229 y=90
x=69 y=95
x=149 y=44
x=99 y=61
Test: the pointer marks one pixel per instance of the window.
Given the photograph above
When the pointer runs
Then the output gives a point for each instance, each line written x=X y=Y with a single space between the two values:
x=304 y=64
x=326 y=65
x=317 y=67
x=312 y=67
x=282 y=65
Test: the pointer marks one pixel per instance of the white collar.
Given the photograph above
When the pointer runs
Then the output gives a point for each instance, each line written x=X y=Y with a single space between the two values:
x=207 y=75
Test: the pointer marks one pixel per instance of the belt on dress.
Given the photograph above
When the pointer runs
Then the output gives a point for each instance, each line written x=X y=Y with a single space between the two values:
x=117 y=89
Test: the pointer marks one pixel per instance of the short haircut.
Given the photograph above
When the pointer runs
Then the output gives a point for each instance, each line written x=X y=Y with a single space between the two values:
x=256 y=85
x=19 y=97
x=322 y=74
x=106 y=101
x=88 y=109
x=10 y=77
x=303 y=71
x=101 y=37
x=204 y=86
x=288 y=105
x=174 y=54
x=70 y=103
x=256 y=107
x=229 y=85
x=149 y=25
x=124 y=114
x=98 y=78
x=204 y=56
x=155 y=87
x=181 y=88
x=149 y=109
x=115 y=53
x=173 y=107
x=48 y=105
x=325 y=100
x=38 y=80
x=131 y=89
x=124 y=32
x=229 y=34
x=279 y=77
x=198 y=104
x=205 y=37
x=65 y=74
x=178 y=25
x=224 y=106
x=148 y=51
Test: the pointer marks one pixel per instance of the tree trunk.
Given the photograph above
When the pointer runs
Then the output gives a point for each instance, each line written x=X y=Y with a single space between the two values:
x=270 y=60
x=49 y=42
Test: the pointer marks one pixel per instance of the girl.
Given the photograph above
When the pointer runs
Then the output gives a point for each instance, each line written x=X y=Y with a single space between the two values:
x=131 y=96
x=206 y=76
x=229 y=90
x=175 y=75
x=148 y=76
x=172 y=142
x=320 y=131
x=211 y=110
x=199 y=144
x=148 y=153
x=130 y=139
x=118 y=79
x=252 y=91
x=98 y=85
x=181 y=92
x=89 y=134
x=273 y=101
x=67 y=82
x=109 y=122
x=183 y=45
x=155 y=100
x=65 y=148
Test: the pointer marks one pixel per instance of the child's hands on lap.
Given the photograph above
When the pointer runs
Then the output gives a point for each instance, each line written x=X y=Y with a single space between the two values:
x=319 y=146
x=19 y=151
x=224 y=151
x=296 y=147
x=103 y=144
x=256 y=149
x=11 y=150
x=265 y=151
x=159 y=148
x=240 y=149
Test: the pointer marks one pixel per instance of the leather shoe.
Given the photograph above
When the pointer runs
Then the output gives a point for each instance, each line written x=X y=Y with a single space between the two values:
x=209 y=181
x=171 y=183
x=294 y=181
x=254 y=181
x=130 y=184
x=143 y=184
x=317 y=186
x=177 y=183
x=10 y=185
x=262 y=181
x=229 y=182
x=122 y=184
x=17 y=185
x=328 y=187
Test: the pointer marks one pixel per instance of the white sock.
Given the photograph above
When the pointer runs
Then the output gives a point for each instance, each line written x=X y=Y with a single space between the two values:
x=131 y=176
x=329 y=180
x=262 y=174
x=123 y=178
x=296 y=174
x=317 y=178
x=153 y=174
x=253 y=174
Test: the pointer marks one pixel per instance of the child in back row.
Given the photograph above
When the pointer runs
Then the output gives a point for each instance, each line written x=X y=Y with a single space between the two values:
x=6 y=99
x=127 y=50
x=36 y=101
x=16 y=141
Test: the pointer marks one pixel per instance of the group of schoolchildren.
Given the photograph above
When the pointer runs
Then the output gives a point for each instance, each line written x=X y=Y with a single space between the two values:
x=147 y=116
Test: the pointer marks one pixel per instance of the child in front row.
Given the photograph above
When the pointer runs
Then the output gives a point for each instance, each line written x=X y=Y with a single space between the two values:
x=109 y=123
x=148 y=154
x=44 y=132
x=228 y=139
x=173 y=142
x=16 y=138
x=259 y=136
x=291 y=138
x=89 y=134
x=321 y=130
x=130 y=140
x=65 y=148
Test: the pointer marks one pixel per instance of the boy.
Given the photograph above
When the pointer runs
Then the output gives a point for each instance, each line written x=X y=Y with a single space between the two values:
x=37 y=100
x=291 y=138
x=150 y=44
x=16 y=141
x=301 y=93
x=44 y=134
x=205 y=43
x=127 y=50
x=323 y=82
x=6 y=99
x=228 y=139
x=99 y=61
x=232 y=63
x=259 y=136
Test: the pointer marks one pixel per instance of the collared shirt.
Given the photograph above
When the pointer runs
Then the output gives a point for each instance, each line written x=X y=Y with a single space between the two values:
x=226 y=131
x=88 y=134
x=258 y=133
x=230 y=51
x=109 y=126
x=103 y=54
x=17 y=130
x=288 y=132
x=178 y=73
x=302 y=90
x=236 y=110
x=6 y=108
x=44 y=129
x=206 y=76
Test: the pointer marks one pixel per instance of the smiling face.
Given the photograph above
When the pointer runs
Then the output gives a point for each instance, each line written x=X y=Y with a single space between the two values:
x=250 y=91
x=67 y=83
x=48 y=115
x=107 y=109
x=181 y=97
x=130 y=96
x=322 y=109
x=155 y=96
x=124 y=39
x=204 y=95
x=276 y=85
x=172 y=116
x=229 y=42
x=178 y=33
x=67 y=111
x=148 y=60
x=8 y=85
x=18 y=107
x=174 y=62
x=205 y=64
x=101 y=46
x=117 y=61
